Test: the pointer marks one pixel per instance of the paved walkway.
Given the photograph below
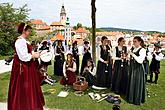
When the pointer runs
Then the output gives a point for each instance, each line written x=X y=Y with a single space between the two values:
x=3 y=106
x=5 y=68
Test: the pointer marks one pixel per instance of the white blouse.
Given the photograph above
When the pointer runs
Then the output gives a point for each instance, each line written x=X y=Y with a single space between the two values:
x=114 y=53
x=55 y=51
x=93 y=72
x=99 y=53
x=142 y=54
x=72 y=69
x=22 y=50
x=158 y=57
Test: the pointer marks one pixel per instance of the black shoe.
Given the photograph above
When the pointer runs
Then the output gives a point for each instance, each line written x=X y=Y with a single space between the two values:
x=150 y=81
x=155 y=82
x=116 y=107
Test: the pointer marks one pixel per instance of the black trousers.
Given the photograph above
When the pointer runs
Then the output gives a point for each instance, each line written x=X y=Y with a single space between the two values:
x=156 y=77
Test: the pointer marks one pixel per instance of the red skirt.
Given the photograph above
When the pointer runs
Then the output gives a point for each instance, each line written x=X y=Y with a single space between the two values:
x=24 y=88
x=71 y=78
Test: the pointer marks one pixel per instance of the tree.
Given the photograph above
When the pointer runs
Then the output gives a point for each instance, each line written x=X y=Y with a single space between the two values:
x=79 y=25
x=93 y=16
x=10 y=18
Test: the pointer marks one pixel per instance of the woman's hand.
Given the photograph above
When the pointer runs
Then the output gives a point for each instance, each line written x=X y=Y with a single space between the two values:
x=70 y=69
x=35 y=55
x=106 y=62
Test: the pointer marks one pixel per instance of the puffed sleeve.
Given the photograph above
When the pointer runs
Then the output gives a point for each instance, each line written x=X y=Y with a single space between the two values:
x=114 y=55
x=141 y=57
x=22 y=50
x=99 y=55
x=64 y=69
x=74 y=67
x=55 y=51
x=93 y=72
x=159 y=57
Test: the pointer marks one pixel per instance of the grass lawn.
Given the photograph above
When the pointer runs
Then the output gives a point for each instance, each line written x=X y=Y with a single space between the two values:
x=4 y=57
x=156 y=101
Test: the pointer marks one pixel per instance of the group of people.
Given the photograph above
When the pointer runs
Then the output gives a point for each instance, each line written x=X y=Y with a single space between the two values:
x=123 y=70
x=69 y=68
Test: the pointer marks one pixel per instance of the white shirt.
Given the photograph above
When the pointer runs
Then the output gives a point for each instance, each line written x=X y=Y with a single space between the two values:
x=114 y=53
x=55 y=51
x=158 y=57
x=22 y=50
x=83 y=51
x=142 y=54
x=149 y=56
x=93 y=72
x=72 y=69
x=99 y=53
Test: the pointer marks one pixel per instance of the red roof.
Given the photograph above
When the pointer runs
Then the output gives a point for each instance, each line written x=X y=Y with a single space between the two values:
x=81 y=30
x=109 y=33
x=56 y=24
x=45 y=28
x=37 y=22
x=57 y=37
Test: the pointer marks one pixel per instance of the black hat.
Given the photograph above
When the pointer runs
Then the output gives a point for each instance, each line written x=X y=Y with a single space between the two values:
x=44 y=42
x=157 y=45
x=86 y=42
x=74 y=43
x=59 y=41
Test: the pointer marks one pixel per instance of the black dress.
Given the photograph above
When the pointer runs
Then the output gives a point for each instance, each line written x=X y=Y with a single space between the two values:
x=136 y=82
x=120 y=76
x=104 y=72
x=59 y=60
x=89 y=77
x=86 y=57
x=76 y=57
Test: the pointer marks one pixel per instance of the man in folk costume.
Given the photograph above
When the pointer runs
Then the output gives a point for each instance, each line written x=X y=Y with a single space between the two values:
x=155 y=63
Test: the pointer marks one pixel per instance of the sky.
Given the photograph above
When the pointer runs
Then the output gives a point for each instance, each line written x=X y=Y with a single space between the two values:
x=146 y=15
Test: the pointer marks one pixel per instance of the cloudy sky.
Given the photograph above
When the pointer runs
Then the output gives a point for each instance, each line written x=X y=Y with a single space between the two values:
x=132 y=14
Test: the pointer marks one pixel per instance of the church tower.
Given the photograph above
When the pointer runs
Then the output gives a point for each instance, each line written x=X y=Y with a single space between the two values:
x=63 y=15
x=68 y=32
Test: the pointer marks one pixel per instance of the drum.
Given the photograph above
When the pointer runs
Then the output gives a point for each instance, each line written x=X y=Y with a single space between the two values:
x=46 y=56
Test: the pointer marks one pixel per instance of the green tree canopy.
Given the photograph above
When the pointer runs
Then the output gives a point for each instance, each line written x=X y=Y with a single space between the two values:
x=79 y=25
x=10 y=17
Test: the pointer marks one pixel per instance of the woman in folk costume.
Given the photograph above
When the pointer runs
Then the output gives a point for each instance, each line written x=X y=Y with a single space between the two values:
x=59 y=59
x=69 y=71
x=24 y=88
x=90 y=72
x=136 y=80
x=155 y=63
x=42 y=48
x=120 y=66
x=75 y=53
x=86 y=56
x=104 y=73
